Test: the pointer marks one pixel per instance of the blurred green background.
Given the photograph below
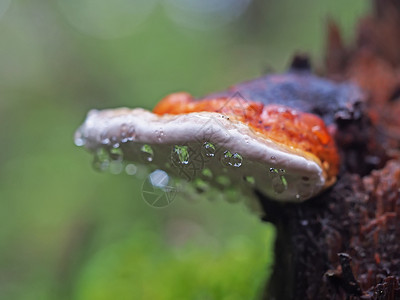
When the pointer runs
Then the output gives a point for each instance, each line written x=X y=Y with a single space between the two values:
x=68 y=232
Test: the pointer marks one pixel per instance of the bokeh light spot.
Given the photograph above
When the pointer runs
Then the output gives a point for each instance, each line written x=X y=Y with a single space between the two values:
x=106 y=19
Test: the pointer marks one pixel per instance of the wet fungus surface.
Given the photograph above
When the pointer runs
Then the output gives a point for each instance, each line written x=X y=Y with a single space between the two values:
x=274 y=134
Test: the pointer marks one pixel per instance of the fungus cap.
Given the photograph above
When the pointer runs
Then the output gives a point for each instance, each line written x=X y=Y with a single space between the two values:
x=271 y=135
x=251 y=147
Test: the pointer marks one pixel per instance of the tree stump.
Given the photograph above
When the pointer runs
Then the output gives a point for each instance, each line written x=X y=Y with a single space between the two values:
x=345 y=243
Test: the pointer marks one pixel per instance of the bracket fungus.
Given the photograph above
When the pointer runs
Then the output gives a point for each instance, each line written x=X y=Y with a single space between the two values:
x=273 y=135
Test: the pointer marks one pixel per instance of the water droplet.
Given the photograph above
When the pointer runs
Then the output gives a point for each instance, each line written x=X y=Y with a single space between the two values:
x=232 y=159
x=277 y=171
x=116 y=154
x=209 y=149
x=273 y=158
x=298 y=196
x=114 y=141
x=123 y=133
x=101 y=160
x=284 y=181
x=131 y=133
x=79 y=139
x=226 y=158
x=147 y=153
x=279 y=182
x=180 y=155
x=80 y=142
x=123 y=130
x=236 y=160
x=130 y=169
x=273 y=170
x=159 y=135
x=127 y=133
x=104 y=138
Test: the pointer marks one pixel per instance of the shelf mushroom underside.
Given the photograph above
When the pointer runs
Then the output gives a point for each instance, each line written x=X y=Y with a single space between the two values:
x=205 y=145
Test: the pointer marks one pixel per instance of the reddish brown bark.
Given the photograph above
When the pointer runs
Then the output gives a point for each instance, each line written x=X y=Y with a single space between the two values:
x=345 y=244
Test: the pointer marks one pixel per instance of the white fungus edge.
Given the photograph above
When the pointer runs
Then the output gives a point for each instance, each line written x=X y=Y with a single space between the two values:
x=259 y=152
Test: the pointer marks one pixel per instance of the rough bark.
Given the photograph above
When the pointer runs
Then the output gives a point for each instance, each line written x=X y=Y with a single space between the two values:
x=345 y=243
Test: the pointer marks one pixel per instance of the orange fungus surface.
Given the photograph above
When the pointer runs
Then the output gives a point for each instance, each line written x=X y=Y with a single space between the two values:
x=281 y=124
